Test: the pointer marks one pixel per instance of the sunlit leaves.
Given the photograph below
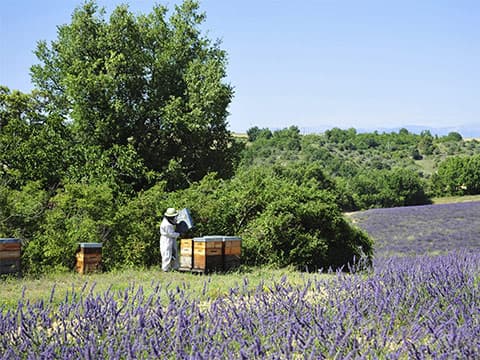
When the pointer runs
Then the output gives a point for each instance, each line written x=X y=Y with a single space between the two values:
x=155 y=82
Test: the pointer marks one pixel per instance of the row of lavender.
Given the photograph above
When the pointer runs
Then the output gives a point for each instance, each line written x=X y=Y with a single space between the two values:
x=423 y=307
x=427 y=229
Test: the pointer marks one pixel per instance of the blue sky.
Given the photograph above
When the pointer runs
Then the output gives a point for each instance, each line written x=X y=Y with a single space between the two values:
x=315 y=64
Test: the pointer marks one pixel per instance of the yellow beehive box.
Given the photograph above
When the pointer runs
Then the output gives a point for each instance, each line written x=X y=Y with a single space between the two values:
x=208 y=254
x=232 y=251
x=186 y=254
x=89 y=258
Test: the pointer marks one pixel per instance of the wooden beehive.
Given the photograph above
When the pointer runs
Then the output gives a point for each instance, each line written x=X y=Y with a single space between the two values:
x=232 y=250
x=10 y=251
x=89 y=257
x=186 y=254
x=208 y=254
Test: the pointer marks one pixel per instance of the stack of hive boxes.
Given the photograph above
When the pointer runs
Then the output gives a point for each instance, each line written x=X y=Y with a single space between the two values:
x=232 y=251
x=186 y=252
x=210 y=253
x=10 y=255
x=89 y=257
x=207 y=253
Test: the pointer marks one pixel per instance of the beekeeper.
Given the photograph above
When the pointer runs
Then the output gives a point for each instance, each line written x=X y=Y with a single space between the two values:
x=168 y=240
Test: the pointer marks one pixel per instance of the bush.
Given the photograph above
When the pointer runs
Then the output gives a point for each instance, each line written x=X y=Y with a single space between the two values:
x=283 y=220
x=78 y=213
x=387 y=188
x=135 y=230
x=21 y=211
x=312 y=235
x=286 y=216
x=458 y=175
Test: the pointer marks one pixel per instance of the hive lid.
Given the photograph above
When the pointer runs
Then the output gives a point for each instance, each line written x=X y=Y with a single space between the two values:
x=231 y=238
x=184 y=220
x=208 y=238
x=90 y=245
x=217 y=238
x=9 y=240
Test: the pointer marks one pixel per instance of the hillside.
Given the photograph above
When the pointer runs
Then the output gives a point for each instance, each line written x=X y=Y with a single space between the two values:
x=370 y=168
x=377 y=150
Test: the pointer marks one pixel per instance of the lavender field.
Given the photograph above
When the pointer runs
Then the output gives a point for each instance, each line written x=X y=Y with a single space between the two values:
x=422 y=307
x=423 y=304
x=427 y=229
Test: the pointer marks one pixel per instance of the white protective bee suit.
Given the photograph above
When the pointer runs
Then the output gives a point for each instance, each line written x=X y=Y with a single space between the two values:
x=168 y=244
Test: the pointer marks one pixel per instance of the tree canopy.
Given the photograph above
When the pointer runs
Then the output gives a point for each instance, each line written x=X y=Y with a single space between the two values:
x=154 y=82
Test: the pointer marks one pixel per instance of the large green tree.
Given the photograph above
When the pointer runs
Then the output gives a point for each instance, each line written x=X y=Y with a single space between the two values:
x=153 y=81
x=34 y=143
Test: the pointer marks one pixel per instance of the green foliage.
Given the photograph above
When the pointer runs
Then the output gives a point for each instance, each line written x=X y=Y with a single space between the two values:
x=454 y=136
x=302 y=227
x=459 y=175
x=426 y=146
x=353 y=160
x=339 y=136
x=283 y=219
x=154 y=82
x=367 y=141
x=135 y=230
x=209 y=206
x=119 y=166
x=22 y=211
x=387 y=188
x=407 y=186
x=416 y=154
x=279 y=146
x=79 y=213
x=255 y=133
x=34 y=146
x=288 y=213
x=287 y=139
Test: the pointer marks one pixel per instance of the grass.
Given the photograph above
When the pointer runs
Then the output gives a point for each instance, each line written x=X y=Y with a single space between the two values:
x=427 y=164
x=240 y=135
x=455 y=199
x=202 y=286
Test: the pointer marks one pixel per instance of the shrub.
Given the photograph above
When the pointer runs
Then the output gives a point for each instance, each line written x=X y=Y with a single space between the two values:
x=78 y=213
x=135 y=230
x=387 y=188
x=283 y=219
x=309 y=235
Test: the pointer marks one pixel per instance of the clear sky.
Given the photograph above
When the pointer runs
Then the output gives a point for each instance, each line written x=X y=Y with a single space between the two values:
x=315 y=64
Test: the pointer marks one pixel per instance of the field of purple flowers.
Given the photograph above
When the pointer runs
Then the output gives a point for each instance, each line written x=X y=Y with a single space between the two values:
x=427 y=229
x=407 y=307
